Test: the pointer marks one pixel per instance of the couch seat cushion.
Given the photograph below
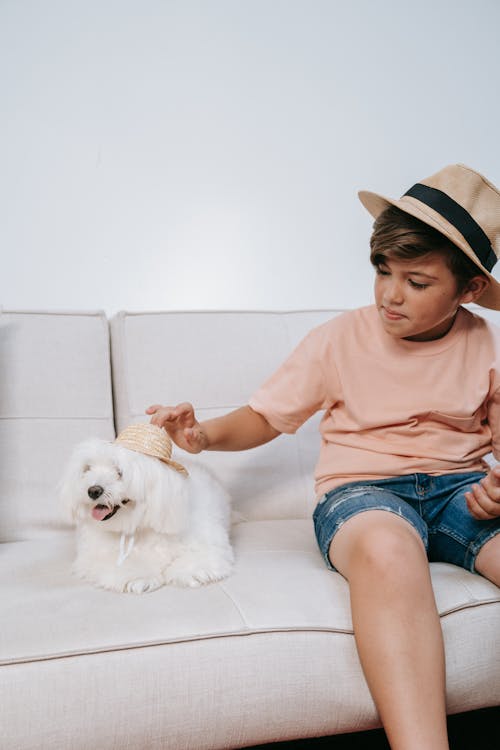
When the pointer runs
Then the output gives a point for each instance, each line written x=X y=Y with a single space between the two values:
x=280 y=584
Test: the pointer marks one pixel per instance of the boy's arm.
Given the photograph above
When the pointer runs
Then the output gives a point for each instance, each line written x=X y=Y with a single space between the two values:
x=239 y=430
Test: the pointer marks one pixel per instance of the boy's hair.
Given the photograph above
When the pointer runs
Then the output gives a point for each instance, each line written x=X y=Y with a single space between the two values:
x=401 y=236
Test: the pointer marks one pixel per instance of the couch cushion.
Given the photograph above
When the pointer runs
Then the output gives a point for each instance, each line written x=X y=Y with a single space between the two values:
x=280 y=583
x=217 y=360
x=196 y=650
x=55 y=391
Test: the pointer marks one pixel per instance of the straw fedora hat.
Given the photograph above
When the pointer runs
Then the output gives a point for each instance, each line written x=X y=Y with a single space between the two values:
x=465 y=207
x=150 y=440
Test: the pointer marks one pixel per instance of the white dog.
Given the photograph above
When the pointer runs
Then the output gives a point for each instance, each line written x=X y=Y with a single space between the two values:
x=143 y=520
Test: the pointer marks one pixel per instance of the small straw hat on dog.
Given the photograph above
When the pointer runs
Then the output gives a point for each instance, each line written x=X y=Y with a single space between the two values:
x=150 y=440
x=465 y=207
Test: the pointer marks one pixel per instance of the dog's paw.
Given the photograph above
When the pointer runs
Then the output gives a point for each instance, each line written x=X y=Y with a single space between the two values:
x=192 y=570
x=143 y=585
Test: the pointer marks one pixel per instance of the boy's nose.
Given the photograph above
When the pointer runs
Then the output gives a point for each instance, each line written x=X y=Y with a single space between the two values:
x=393 y=294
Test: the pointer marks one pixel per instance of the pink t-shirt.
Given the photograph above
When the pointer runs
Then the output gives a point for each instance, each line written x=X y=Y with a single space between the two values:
x=392 y=407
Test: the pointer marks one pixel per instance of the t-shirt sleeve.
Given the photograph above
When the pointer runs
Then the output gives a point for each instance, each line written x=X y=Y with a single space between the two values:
x=299 y=387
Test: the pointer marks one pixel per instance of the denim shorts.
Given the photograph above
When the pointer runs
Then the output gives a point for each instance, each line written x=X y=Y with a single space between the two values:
x=434 y=505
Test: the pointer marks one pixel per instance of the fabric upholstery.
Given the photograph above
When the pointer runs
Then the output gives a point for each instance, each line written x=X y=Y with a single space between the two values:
x=55 y=391
x=267 y=654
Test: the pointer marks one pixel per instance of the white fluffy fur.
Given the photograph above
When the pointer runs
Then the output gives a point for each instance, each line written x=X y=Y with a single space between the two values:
x=174 y=528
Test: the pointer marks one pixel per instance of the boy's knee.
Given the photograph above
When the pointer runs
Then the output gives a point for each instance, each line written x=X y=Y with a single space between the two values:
x=377 y=542
x=386 y=548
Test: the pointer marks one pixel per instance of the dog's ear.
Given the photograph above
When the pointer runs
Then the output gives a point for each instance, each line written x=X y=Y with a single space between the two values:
x=166 y=497
x=68 y=487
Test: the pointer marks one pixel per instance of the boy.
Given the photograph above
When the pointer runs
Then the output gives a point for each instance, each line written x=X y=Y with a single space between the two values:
x=410 y=389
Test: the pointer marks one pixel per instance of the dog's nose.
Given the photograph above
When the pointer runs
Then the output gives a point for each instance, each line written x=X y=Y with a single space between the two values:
x=95 y=491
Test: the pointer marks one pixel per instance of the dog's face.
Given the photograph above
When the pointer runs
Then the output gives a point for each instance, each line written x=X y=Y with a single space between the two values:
x=121 y=490
x=104 y=489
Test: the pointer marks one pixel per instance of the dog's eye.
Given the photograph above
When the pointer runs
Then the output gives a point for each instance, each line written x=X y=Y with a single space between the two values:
x=119 y=473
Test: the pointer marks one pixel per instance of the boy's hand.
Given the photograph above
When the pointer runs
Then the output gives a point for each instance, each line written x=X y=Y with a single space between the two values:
x=484 y=500
x=181 y=424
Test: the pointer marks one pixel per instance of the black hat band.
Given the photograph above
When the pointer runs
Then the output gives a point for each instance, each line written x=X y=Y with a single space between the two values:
x=460 y=218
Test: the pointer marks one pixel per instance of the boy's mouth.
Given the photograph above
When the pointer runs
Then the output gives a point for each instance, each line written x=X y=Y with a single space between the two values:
x=392 y=314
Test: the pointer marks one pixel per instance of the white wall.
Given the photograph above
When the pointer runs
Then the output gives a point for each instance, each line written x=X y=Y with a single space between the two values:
x=179 y=154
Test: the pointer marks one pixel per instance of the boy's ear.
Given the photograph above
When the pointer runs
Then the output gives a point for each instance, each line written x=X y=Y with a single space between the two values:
x=475 y=288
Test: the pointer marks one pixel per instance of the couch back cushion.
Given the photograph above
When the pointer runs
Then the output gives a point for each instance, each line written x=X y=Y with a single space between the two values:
x=217 y=360
x=55 y=391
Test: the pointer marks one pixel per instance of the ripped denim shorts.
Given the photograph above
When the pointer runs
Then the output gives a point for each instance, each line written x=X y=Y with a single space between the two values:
x=434 y=505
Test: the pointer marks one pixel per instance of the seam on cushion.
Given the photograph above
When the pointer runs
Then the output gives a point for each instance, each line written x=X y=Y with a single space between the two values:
x=236 y=606
x=109 y=371
x=78 y=418
x=468 y=591
x=167 y=642
x=469 y=605
x=119 y=349
x=131 y=313
x=58 y=313
x=211 y=636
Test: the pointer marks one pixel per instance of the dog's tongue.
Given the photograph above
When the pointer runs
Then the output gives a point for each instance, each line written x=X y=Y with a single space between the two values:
x=99 y=512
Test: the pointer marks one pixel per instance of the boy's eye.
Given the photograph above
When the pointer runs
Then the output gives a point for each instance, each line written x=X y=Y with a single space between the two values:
x=381 y=271
x=415 y=285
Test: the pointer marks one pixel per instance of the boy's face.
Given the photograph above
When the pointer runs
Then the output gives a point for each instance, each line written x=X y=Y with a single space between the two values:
x=417 y=299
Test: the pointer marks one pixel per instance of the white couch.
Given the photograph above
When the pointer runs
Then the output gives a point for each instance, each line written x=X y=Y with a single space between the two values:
x=267 y=654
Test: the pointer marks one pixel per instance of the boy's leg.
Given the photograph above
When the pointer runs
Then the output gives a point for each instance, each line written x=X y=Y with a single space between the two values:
x=396 y=625
x=456 y=536
x=488 y=560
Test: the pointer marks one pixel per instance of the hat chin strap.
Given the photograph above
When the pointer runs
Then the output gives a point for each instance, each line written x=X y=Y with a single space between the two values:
x=123 y=554
x=461 y=219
